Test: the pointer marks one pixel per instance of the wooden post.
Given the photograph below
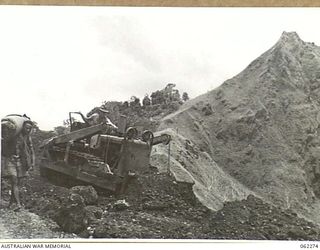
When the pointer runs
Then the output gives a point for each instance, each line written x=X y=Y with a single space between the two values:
x=168 y=170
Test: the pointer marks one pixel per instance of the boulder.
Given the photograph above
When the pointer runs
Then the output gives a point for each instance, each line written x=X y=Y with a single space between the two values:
x=92 y=214
x=88 y=193
x=71 y=218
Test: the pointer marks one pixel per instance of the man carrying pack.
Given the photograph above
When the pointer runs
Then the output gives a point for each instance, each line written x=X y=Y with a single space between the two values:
x=17 y=154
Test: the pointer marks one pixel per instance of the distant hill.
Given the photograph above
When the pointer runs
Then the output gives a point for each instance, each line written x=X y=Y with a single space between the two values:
x=257 y=133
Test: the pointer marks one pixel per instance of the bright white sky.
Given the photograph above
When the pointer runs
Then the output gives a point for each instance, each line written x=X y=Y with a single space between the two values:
x=59 y=59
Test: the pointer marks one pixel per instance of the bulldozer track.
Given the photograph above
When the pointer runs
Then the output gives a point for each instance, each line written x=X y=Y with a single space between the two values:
x=91 y=169
x=91 y=159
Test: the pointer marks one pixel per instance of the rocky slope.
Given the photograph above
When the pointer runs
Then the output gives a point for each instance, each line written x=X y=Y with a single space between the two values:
x=255 y=134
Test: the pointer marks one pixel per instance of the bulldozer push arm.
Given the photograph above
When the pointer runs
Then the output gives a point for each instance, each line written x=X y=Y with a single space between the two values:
x=79 y=134
x=164 y=138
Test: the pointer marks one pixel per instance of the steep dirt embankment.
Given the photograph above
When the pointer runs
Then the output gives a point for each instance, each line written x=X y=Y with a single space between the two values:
x=256 y=133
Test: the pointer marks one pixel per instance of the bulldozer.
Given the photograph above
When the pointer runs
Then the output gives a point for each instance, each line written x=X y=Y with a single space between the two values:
x=99 y=155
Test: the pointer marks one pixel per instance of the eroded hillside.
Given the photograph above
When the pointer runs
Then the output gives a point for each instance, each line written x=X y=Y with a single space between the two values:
x=256 y=133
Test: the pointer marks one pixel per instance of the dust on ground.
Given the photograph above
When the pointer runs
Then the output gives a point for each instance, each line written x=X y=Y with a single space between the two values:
x=26 y=225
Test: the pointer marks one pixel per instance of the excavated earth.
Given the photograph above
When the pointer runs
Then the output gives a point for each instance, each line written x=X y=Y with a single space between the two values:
x=244 y=165
x=156 y=207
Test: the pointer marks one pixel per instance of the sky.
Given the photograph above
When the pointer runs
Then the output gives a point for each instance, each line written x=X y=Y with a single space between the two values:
x=56 y=59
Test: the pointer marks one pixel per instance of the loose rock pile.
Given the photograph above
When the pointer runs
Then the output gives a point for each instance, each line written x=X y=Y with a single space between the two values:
x=158 y=207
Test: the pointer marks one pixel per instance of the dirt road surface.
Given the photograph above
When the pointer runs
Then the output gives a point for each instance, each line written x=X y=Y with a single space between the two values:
x=26 y=225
